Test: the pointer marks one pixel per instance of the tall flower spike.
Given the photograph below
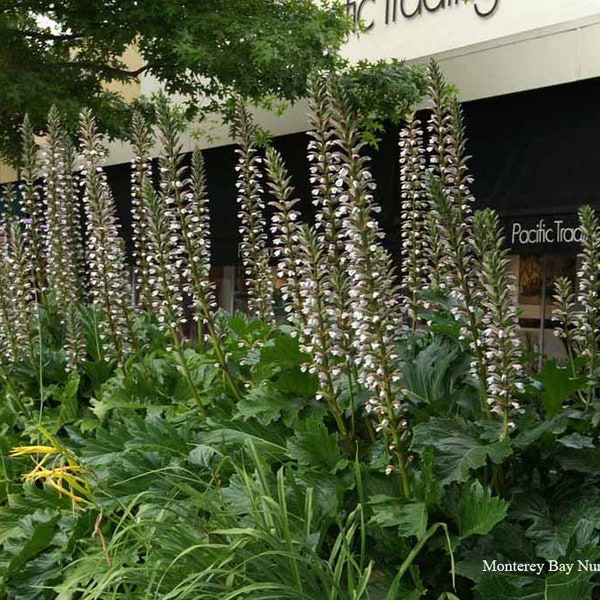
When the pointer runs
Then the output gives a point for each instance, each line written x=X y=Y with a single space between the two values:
x=414 y=211
x=376 y=313
x=141 y=139
x=167 y=300
x=315 y=290
x=173 y=194
x=109 y=282
x=186 y=202
x=456 y=241
x=21 y=286
x=458 y=178
x=9 y=335
x=61 y=264
x=255 y=256
x=197 y=225
x=587 y=335
x=72 y=208
x=32 y=204
x=500 y=334
x=448 y=188
x=324 y=169
x=285 y=224
x=326 y=194
x=438 y=125
x=564 y=313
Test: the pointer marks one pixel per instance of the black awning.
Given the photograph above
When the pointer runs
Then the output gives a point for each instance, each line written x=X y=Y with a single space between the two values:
x=534 y=154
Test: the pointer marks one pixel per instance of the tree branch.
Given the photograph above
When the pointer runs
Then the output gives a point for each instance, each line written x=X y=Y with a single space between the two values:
x=42 y=35
x=92 y=66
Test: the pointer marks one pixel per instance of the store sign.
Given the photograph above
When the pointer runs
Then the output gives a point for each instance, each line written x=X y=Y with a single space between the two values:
x=392 y=11
x=560 y=233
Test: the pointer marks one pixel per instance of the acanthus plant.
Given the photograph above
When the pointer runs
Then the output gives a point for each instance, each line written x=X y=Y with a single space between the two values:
x=296 y=437
x=61 y=255
x=109 y=288
x=142 y=139
x=326 y=197
x=184 y=198
x=577 y=313
x=448 y=182
x=252 y=223
x=502 y=348
x=14 y=324
x=376 y=314
x=19 y=271
x=415 y=207
x=32 y=205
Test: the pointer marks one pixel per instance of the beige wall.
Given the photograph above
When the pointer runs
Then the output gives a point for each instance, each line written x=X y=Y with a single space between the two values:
x=132 y=90
x=7 y=174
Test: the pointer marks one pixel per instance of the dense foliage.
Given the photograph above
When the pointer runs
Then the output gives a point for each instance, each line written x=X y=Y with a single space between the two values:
x=383 y=442
x=65 y=52
x=68 y=53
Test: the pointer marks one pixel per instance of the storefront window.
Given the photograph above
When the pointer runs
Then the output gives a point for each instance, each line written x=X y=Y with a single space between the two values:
x=535 y=275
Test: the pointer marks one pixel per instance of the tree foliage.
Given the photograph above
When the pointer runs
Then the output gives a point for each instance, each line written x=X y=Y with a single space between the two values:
x=64 y=53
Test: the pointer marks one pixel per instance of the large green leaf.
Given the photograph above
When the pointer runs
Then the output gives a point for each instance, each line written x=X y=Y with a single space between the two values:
x=459 y=447
x=313 y=446
x=478 y=512
x=38 y=530
x=409 y=517
x=558 y=385
x=507 y=586
x=267 y=404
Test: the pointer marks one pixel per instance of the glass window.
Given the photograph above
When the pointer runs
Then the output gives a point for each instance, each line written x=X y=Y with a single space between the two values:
x=535 y=275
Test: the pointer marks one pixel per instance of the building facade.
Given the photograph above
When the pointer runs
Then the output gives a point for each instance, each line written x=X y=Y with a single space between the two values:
x=528 y=75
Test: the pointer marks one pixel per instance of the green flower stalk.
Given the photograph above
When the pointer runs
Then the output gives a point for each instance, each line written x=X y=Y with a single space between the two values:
x=326 y=194
x=502 y=348
x=376 y=314
x=564 y=314
x=165 y=280
x=414 y=210
x=32 y=204
x=578 y=314
x=447 y=186
x=315 y=291
x=439 y=122
x=285 y=226
x=176 y=237
x=433 y=267
x=60 y=258
x=21 y=286
x=164 y=242
x=587 y=318
x=255 y=256
x=185 y=198
x=196 y=230
x=173 y=194
x=10 y=320
x=109 y=286
x=324 y=170
x=458 y=272
x=142 y=140
x=167 y=299
x=74 y=221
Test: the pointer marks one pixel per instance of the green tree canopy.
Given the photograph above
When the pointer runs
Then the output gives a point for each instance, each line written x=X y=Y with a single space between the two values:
x=64 y=52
